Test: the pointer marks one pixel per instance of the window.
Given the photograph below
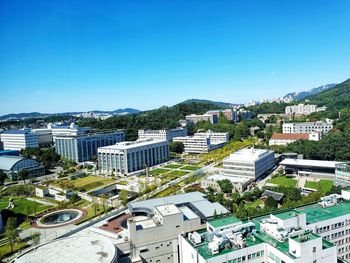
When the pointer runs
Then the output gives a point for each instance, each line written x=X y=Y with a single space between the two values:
x=314 y=249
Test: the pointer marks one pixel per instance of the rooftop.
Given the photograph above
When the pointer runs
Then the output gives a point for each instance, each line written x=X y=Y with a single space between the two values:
x=233 y=179
x=132 y=144
x=195 y=200
x=248 y=154
x=314 y=163
x=315 y=213
x=72 y=250
x=290 y=136
x=287 y=215
x=224 y=221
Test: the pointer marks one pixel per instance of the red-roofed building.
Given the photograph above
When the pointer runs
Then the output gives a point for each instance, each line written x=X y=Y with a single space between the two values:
x=285 y=138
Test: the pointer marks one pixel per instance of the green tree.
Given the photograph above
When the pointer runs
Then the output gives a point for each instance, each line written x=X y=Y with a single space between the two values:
x=177 y=147
x=73 y=198
x=23 y=175
x=225 y=186
x=3 y=176
x=271 y=203
x=11 y=231
x=36 y=238
x=123 y=196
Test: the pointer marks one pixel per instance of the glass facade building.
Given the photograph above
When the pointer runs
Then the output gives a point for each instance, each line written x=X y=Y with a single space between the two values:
x=342 y=174
x=80 y=148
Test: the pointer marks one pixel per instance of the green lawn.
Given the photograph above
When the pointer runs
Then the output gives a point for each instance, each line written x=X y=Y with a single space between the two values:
x=190 y=167
x=85 y=183
x=283 y=181
x=5 y=250
x=173 y=166
x=158 y=171
x=176 y=173
x=255 y=204
x=21 y=205
x=323 y=185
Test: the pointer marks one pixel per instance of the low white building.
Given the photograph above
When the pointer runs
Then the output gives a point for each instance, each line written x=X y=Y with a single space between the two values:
x=307 y=127
x=285 y=138
x=203 y=142
x=251 y=163
x=238 y=183
x=18 y=139
x=129 y=157
x=303 y=109
x=203 y=117
x=42 y=191
x=164 y=134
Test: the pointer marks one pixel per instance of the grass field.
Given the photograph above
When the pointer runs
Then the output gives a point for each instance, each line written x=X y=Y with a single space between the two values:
x=158 y=171
x=5 y=250
x=190 y=167
x=283 y=181
x=22 y=205
x=176 y=173
x=173 y=166
x=323 y=185
x=85 y=183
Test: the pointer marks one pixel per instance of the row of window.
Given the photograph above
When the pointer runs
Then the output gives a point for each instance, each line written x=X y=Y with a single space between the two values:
x=249 y=257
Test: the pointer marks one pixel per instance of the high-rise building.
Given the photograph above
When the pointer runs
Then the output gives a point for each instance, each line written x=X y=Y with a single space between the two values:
x=129 y=157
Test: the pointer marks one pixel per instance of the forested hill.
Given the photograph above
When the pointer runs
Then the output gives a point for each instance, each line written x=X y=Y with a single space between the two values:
x=335 y=99
x=164 y=117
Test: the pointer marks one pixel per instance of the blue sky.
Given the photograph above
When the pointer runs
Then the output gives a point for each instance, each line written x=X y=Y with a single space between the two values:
x=82 y=55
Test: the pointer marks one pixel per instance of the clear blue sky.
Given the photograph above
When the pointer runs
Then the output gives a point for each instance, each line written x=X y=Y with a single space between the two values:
x=76 y=55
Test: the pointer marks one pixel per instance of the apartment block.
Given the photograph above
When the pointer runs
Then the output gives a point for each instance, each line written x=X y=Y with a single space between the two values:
x=229 y=114
x=303 y=109
x=307 y=127
x=129 y=157
x=164 y=134
x=251 y=163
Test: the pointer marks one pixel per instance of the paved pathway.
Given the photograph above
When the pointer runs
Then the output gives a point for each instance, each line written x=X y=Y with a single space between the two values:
x=41 y=201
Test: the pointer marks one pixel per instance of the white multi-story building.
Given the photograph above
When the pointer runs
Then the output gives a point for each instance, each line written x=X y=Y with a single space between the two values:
x=318 y=233
x=213 y=118
x=285 y=138
x=18 y=139
x=152 y=227
x=307 y=127
x=251 y=163
x=129 y=157
x=71 y=130
x=303 y=109
x=203 y=142
x=164 y=134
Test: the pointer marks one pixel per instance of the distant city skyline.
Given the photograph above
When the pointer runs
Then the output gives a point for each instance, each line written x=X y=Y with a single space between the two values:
x=63 y=56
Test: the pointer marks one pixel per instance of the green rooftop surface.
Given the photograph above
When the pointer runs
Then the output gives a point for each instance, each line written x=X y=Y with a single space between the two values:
x=307 y=236
x=288 y=214
x=224 y=221
x=315 y=213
